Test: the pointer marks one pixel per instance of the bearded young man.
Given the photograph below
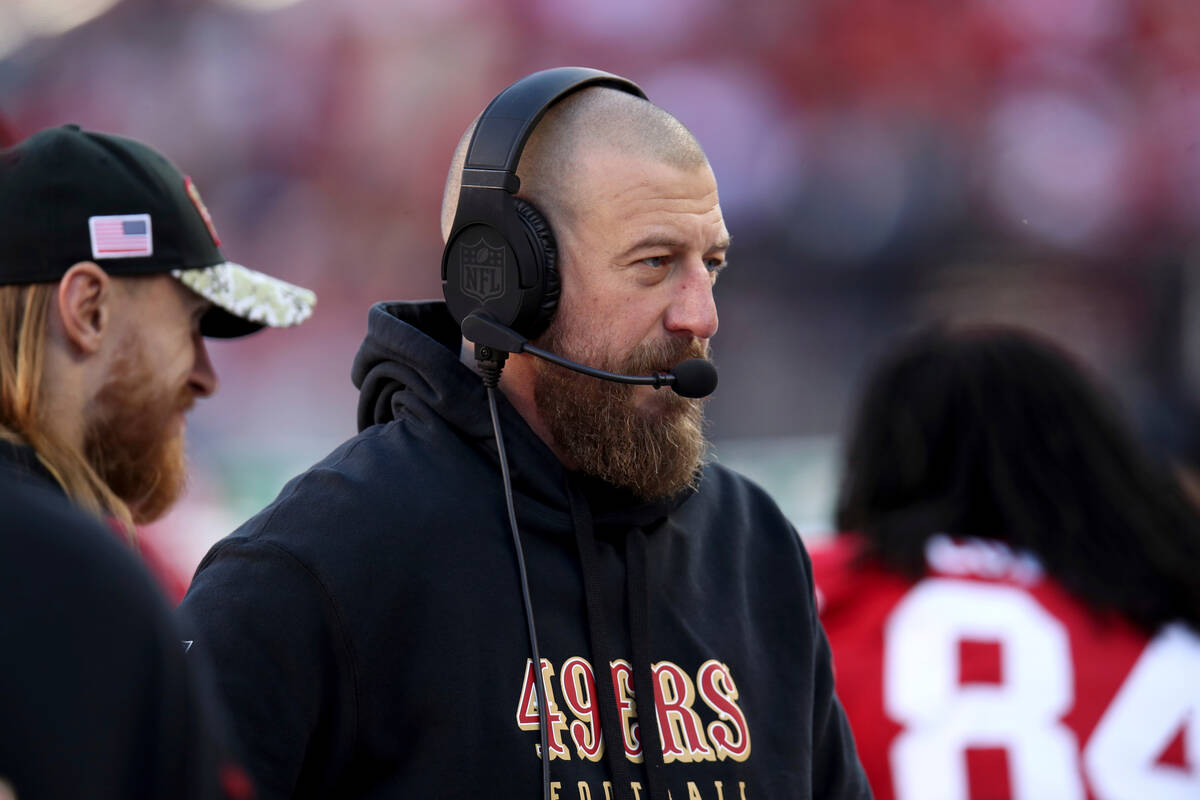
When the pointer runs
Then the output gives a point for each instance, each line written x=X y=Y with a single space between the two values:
x=370 y=628
x=110 y=275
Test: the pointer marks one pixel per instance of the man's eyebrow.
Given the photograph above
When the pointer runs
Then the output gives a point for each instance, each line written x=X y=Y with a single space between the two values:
x=670 y=243
x=722 y=244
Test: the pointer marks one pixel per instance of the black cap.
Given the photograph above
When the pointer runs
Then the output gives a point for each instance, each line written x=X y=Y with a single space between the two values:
x=69 y=195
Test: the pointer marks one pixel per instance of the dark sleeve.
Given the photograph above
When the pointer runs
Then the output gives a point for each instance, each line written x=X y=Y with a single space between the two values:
x=97 y=699
x=282 y=667
x=837 y=772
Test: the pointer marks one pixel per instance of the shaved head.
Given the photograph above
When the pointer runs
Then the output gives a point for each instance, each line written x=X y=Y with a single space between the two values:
x=588 y=120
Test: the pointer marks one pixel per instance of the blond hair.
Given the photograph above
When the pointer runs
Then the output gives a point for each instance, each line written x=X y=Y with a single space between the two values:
x=24 y=312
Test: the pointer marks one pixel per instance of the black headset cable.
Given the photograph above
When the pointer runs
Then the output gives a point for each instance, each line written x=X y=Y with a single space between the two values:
x=533 y=642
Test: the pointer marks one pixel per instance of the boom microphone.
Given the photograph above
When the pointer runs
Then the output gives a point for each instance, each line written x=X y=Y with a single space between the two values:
x=696 y=377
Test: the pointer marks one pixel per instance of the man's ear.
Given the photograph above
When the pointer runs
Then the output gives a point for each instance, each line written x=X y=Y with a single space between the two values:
x=83 y=301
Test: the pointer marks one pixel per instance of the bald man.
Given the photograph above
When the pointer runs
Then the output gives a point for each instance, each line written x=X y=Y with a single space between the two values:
x=370 y=628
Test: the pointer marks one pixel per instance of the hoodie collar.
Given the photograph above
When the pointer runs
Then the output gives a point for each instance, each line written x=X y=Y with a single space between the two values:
x=621 y=508
x=23 y=460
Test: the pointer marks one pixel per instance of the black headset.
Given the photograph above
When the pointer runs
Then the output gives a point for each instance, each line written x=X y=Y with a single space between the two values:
x=501 y=255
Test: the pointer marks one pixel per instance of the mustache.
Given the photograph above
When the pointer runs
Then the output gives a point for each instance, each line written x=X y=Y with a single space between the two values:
x=662 y=356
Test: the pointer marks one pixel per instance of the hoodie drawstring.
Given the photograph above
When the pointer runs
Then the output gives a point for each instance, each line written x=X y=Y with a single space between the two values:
x=636 y=589
x=603 y=655
x=601 y=642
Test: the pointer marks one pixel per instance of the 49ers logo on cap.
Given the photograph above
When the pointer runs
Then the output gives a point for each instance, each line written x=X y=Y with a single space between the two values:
x=194 y=193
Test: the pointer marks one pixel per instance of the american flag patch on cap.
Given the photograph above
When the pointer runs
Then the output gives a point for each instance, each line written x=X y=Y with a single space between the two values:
x=121 y=236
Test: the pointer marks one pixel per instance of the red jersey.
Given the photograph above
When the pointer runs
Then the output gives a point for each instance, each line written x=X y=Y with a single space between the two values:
x=985 y=679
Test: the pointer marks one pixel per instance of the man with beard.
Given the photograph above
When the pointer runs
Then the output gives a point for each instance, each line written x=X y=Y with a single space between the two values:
x=374 y=628
x=110 y=275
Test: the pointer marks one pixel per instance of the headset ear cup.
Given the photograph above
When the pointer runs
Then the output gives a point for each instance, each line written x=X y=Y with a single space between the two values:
x=537 y=225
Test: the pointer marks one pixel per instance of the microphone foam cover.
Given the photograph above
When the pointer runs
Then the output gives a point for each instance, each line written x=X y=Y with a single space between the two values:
x=696 y=377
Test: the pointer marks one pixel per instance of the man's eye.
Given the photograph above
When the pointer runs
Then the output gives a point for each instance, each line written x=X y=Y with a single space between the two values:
x=655 y=261
x=715 y=265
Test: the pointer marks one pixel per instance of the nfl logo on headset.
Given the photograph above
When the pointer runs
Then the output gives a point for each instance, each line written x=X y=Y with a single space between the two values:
x=482 y=270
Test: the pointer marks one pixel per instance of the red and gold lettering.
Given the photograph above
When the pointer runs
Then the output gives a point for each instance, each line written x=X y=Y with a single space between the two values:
x=622 y=678
x=680 y=727
x=718 y=691
x=527 y=710
x=579 y=694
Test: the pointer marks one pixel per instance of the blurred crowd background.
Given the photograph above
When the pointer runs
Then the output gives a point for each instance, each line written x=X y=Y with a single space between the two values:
x=881 y=163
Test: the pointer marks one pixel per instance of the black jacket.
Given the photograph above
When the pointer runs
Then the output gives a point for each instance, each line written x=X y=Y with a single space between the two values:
x=370 y=638
x=97 y=699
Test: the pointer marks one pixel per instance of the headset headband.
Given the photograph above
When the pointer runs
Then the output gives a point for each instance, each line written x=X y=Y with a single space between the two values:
x=500 y=255
x=506 y=123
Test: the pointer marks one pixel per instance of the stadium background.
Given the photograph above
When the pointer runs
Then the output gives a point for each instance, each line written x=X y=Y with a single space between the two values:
x=881 y=163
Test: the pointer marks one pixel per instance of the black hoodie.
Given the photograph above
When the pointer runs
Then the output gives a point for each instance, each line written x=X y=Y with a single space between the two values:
x=370 y=637
x=97 y=698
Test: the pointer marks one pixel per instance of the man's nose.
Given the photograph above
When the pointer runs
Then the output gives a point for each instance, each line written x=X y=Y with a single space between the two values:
x=693 y=309
x=203 y=378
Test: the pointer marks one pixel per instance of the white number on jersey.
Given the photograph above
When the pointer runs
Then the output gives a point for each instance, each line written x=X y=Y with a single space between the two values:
x=1160 y=696
x=1023 y=712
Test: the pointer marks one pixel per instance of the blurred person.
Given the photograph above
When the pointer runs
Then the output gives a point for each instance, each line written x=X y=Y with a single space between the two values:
x=110 y=275
x=1014 y=605
x=371 y=630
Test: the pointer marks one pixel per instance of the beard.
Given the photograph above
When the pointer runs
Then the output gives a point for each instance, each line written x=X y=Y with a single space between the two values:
x=131 y=438
x=654 y=451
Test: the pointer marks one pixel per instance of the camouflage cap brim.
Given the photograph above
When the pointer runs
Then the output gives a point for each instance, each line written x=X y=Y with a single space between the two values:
x=253 y=298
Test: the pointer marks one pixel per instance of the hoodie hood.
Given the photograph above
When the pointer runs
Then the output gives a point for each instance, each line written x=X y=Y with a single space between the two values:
x=408 y=368
x=409 y=360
